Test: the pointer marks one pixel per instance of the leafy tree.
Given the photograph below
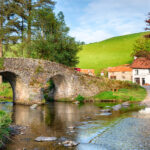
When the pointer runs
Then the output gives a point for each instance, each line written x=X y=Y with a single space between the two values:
x=25 y=9
x=142 y=47
x=52 y=41
x=148 y=22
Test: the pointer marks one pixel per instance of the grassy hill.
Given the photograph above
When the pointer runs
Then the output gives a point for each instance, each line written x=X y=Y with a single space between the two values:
x=108 y=53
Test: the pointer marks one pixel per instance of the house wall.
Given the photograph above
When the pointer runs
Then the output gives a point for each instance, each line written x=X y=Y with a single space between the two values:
x=142 y=73
x=123 y=76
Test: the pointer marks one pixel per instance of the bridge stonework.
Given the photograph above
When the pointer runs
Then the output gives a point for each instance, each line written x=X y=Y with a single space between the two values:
x=28 y=77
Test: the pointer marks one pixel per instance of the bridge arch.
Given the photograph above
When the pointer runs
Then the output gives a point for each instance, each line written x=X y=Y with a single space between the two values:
x=17 y=85
x=11 y=78
x=59 y=86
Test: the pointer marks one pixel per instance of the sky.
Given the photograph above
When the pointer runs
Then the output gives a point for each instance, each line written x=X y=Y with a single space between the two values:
x=96 y=20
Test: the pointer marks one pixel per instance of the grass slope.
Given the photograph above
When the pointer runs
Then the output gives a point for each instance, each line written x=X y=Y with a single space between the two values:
x=112 y=52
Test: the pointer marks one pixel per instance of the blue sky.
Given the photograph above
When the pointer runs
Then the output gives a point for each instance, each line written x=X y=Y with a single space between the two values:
x=96 y=20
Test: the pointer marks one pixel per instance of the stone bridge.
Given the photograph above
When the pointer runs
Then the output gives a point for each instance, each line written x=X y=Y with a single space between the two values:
x=28 y=77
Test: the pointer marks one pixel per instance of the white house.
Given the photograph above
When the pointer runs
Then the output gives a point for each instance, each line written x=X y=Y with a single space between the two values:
x=141 y=71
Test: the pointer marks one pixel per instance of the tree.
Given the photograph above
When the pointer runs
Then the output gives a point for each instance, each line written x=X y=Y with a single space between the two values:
x=8 y=24
x=25 y=10
x=148 y=22
x=52 y=41
x=142 y=47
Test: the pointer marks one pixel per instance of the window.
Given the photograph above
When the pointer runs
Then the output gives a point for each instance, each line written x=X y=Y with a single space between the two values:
x=113 y=77
x=123 y=77
x=136 y=72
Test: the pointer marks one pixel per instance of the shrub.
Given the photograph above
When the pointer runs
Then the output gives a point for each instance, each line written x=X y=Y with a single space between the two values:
x=80 y=98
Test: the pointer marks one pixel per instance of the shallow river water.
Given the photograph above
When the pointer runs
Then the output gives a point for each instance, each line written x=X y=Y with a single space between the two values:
x=128 y=131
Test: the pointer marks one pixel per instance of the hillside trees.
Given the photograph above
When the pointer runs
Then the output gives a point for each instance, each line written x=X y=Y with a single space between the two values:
x=142 y=45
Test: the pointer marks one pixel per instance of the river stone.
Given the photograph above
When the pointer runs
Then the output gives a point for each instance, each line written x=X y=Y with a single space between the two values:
x=71 y=127
x=105 y=110
x=34 y=106
x=69 y=143
x=45 y=139
x=117 y=107
x=125 y=104
x=76 y=102
x=106 y=114
x=62 y=139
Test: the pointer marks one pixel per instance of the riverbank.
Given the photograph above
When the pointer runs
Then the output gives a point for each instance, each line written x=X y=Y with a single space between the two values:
x=121 y=95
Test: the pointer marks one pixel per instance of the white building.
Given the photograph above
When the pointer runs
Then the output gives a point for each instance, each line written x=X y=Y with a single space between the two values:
x=141 y=71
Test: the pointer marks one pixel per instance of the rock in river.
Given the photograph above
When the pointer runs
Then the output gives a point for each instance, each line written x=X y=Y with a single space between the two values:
x=34 y=106
x=117 y=107
x=106 y=114
x=45 y=139
x=105 y=110
x=69 y=143
x=71 y=127
x=125 y=104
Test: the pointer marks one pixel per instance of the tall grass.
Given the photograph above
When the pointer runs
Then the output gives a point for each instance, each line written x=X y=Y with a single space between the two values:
x=4 y=127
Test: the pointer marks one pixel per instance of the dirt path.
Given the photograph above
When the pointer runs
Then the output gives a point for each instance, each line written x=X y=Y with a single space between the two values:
x=147 y=99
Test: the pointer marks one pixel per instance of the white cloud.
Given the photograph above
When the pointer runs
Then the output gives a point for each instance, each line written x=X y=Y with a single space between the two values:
x=101 y=19
x=90 y=36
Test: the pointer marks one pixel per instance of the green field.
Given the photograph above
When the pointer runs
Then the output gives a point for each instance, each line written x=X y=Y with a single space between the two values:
x=111 y=52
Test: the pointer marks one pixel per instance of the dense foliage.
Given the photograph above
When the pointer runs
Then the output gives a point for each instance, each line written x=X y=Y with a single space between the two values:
x=142 y=47
x=51 y=40
x=39 y=32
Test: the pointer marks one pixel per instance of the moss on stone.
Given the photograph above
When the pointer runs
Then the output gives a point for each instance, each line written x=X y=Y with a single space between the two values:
x=39 y=69
x=1 y=63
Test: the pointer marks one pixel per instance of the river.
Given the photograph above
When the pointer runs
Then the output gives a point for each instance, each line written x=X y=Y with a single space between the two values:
x=126 y=131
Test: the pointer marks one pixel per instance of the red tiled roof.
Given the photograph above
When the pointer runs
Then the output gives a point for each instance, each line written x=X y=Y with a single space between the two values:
x=122 y=68
x=141 y=62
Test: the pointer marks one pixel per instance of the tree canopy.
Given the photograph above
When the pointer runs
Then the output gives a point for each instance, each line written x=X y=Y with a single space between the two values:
x=40 y=32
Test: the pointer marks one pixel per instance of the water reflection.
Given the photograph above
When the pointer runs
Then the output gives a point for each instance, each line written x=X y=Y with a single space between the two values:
x=93 y=132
